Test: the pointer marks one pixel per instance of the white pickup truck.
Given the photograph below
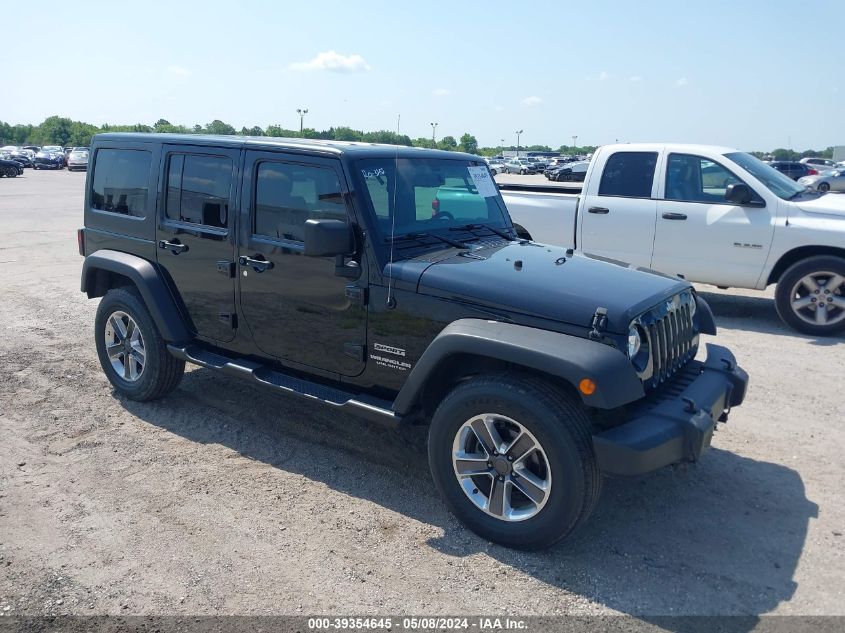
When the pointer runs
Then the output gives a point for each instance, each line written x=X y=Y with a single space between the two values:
x=708 y=214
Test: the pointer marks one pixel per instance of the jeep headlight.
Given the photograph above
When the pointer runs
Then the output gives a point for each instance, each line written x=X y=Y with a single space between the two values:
x=635 y=341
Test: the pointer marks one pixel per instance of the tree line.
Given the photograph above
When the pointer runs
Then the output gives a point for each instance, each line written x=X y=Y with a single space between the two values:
x=56 y=130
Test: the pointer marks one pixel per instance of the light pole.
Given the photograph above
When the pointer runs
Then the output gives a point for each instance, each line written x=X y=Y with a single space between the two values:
x=574 y=142
x=433 y=130
x=518 y=132
x=301 y=112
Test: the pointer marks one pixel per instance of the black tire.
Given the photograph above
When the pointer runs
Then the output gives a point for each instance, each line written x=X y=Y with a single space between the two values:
x=823 y=187
x=559 y=424
x=784 y=296
x=161 y=372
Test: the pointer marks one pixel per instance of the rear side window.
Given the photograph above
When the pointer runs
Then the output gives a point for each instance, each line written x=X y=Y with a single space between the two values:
x=287 y=194
x=121 y=181
x=628 y=174
x=198 y=189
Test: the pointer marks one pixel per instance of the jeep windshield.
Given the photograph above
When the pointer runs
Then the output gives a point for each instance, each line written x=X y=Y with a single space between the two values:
x=417 y=196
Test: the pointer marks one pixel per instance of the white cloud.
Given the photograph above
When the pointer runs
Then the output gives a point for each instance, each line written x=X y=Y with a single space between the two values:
x=178 y=71
x=532 y=101
x=334 y=62
x=635 y=79
x=681 y=82
x=602 y=76
x=440 y=92
x=499 y=108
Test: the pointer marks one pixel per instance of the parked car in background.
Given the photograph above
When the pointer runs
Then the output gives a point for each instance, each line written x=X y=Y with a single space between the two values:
x=828 y=180
x=520 y=166
x=794 y=170
x=10 y=168
x=570 y=172
x=821 y=164
x=496 y=166
x=78 y=159
x=23 y=156
x=46 y=159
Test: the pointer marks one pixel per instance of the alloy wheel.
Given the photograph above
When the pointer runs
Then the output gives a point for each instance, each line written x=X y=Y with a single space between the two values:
x=819 y=298
x=501 y=467
x=125 y=346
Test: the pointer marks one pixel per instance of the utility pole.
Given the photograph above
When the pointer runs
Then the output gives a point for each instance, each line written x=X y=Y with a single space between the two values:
x=518 y=132
x=433 y=130
x=574 y=142
x=301 y=112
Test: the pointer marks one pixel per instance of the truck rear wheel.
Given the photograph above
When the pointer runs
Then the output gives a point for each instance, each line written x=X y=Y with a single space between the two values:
x=513 y=458
x=132 y=352
x=810 y=295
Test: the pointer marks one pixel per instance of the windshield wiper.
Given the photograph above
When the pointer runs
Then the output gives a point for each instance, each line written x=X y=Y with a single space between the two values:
x=796 y=194
x=418 y=236
x=473 y=227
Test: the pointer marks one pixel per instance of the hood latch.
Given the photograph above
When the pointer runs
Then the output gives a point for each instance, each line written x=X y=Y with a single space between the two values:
x=598 y=324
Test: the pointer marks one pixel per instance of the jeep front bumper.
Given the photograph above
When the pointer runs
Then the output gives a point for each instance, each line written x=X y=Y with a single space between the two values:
x=675 y=423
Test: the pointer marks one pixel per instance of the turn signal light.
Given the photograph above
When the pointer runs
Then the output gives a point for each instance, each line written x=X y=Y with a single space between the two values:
x=587 y=387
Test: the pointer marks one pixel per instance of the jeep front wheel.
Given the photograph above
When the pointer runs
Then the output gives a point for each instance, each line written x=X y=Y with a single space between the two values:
x=513 y=458
x=132 y=352
x=810 y=295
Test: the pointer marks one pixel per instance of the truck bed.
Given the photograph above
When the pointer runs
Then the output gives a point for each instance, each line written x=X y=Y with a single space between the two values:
x=547 y=212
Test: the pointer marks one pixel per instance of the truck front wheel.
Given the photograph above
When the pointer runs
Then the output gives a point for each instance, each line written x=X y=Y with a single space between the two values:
x=810 y=295
x=513 y=458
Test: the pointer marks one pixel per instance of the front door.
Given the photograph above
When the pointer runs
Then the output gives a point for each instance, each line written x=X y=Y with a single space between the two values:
x=195 y=235
x=296 y=307
x=703 y=237
x=618 y=210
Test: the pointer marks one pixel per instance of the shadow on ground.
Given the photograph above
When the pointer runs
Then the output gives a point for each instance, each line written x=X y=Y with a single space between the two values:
x=720 y=537
x=756 y=314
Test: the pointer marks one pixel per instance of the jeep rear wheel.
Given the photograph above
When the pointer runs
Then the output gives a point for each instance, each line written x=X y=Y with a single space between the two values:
x=132 y=352
x=513 y=458
x=810 y=295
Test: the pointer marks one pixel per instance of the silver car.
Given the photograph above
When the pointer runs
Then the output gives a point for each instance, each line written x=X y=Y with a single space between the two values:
x=831 y=180
x=78 y=159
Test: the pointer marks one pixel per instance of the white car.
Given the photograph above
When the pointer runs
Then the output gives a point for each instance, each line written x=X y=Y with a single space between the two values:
x=708 y=214
x=496 y=166
x=820 y=164
x=830 y=180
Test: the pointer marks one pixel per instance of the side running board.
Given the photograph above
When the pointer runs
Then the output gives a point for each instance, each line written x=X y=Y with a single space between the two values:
x=362 y=405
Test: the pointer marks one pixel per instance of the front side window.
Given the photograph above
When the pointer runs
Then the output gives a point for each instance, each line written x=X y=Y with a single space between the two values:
x=696 y=179
x=628 y=174
x=198 y=189
x=288 y=194
x=121 y=181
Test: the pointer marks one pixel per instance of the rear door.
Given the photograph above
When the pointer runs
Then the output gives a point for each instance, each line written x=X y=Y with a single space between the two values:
x=619 y=208
x=703 y=237
x=194 y=240
x=298 y=308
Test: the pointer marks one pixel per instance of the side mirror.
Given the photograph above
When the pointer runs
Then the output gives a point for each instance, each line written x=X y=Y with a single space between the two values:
x=328 y=238
x=738 y=193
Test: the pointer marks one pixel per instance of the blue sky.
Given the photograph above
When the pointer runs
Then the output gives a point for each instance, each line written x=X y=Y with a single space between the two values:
x=747 y=73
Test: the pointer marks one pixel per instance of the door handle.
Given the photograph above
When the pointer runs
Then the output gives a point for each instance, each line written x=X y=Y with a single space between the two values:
x=258 y=265
x=598 y=210
x=674 y=216
x=173 y=247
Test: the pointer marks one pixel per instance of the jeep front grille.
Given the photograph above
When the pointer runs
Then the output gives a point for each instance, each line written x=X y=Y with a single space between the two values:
x=672 y=338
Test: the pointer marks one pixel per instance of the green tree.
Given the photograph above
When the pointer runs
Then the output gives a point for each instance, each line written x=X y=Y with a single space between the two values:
x=448 y=143
x=54 y=130
x=252 y=131
x=469 y=144
x=218 y=127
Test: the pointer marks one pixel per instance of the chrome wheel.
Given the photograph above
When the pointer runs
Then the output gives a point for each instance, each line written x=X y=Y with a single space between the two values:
x=819 y=298
x=125 y=346
x=501 y=467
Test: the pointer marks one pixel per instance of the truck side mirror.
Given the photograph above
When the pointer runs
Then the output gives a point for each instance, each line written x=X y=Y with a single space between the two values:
x=328 y=238
x=738 y=193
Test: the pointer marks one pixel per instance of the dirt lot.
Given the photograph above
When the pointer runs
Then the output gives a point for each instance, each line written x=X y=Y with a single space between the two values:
x=226 y=499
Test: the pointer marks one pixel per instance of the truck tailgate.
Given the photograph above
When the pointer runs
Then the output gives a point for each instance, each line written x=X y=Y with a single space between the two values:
x=548 y=217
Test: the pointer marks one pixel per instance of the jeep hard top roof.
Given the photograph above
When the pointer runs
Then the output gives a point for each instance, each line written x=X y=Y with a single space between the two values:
x=350 y=149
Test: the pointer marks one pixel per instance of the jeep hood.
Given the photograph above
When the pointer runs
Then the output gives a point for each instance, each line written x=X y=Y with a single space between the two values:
x=829 y=204
x=541 y=281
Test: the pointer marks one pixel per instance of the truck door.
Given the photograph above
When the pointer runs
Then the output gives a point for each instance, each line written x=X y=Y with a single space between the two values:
x=703 y=237
x=194 y=235
x=619 y=208
x=297 y=308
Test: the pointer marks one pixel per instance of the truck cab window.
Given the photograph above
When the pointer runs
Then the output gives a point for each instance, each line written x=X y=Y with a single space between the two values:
x=696 y=179
x=628 y=174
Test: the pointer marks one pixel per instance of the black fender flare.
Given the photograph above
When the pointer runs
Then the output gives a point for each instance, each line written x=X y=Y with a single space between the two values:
x=563 y=356
x=706 y=322
x=149 y=283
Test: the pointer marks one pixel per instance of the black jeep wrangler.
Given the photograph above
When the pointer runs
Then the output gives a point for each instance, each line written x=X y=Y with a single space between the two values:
x=334 y=272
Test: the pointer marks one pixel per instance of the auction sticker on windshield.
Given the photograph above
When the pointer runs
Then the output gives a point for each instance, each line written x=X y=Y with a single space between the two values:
x=483 y=182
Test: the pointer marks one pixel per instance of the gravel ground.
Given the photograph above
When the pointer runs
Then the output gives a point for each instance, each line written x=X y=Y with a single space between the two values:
x=223 y=498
